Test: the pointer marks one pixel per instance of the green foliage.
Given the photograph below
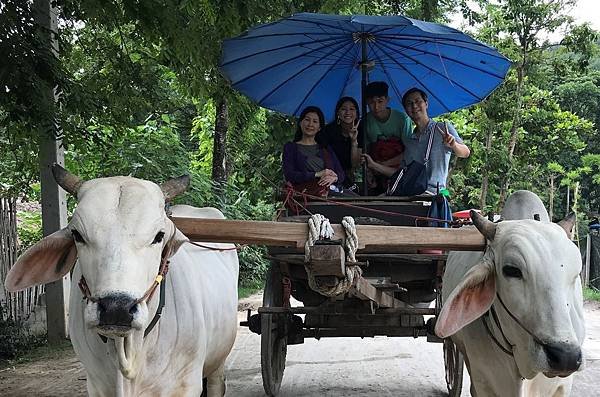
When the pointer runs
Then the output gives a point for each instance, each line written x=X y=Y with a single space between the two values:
x=591 y=294
x=253 y=265
x=29 y=228
x=248 y=288
x=15 y=340
x=151 y=151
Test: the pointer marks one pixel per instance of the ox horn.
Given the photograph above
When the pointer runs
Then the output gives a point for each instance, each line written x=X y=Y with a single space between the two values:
x=485 y=227
x=568 y=223
x=175 y=186
x=71 y=183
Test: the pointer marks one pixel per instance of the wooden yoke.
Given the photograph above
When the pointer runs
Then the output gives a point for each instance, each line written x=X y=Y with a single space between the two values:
x=370 y=238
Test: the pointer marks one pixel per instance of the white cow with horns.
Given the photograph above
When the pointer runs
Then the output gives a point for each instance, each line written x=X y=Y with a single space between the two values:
x=516 y=311
x=120 y=244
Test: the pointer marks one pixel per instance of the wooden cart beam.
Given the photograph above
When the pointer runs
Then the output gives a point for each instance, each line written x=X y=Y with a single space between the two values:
x=284 y=234
x=364 y=290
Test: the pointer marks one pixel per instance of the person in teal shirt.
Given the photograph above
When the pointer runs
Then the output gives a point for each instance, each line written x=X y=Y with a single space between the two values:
x=386 y=128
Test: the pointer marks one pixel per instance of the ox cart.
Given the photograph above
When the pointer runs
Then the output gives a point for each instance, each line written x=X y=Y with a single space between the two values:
x=396 y=272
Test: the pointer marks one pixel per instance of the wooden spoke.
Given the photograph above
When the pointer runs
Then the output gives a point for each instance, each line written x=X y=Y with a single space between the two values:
x=273 y=336
x=454 y=365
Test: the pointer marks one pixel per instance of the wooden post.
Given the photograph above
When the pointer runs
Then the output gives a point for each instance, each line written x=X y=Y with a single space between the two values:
x=575 y=233
x=551 y=197
x=568 y=199
x=588 y=260
x=54 y=206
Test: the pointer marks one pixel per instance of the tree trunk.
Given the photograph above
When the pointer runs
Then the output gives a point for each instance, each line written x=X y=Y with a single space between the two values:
x=429 y=10
x=514 y=132
x=219 y=163
x=485 y=180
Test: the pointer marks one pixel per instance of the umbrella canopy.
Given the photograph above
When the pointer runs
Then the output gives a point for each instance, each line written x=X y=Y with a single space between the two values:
x=315 y=59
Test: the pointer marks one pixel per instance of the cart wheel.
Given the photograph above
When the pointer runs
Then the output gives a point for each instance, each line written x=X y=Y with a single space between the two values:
x=454 y=364
x=273 y=339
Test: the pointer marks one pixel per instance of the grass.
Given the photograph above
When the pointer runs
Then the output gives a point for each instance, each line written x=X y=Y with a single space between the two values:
x=591 y=294
x=247 y=288
x=44 y=351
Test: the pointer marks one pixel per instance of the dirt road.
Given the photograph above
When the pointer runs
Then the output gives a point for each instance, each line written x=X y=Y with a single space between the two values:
x=375 y=366
x=329 y=367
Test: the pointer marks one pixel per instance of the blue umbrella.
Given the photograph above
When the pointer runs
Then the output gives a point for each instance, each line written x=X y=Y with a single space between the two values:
x=314 y=59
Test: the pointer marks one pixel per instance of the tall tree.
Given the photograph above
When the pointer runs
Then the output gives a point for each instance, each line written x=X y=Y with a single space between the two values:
x=525 y=20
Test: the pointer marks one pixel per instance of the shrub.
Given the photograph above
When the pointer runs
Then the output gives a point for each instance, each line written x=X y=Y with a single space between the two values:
x=15 y=340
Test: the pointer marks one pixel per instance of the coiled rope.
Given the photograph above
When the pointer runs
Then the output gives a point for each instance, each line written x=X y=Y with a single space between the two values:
x=319 y=228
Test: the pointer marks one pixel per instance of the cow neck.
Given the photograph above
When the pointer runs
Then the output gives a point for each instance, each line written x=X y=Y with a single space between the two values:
x=158 y=281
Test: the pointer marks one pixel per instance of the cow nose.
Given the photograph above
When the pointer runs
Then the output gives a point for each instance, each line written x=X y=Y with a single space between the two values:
x=117 y=309
x=563 y=356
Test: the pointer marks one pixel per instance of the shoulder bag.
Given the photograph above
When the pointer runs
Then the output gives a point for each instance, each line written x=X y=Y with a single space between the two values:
x=411 y=180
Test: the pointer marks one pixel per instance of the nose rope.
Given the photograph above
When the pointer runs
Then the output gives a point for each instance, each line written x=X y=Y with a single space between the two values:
x=497 y=321
x=158 y=280
x=535 y=338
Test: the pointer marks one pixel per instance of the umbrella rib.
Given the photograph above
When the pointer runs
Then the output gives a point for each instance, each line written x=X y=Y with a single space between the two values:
x=321 y=24
x=299 y=72
x=472 y=46
x=277 y=64
x=315 y=85
x=262 y=36
x=390 y=44
x=433 y=70
x=413 y=76
x=333 y=40
x=492 y=52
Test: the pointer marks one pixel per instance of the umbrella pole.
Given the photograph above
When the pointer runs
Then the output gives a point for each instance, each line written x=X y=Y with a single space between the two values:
x=363 y=110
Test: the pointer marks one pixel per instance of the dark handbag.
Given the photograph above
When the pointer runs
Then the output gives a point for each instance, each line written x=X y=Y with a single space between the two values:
x=411 y=179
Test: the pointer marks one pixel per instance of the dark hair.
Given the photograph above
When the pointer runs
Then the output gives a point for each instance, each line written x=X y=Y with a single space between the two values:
x=343 y=100
x=414 y=89
x=308 y=109
x=376 y=88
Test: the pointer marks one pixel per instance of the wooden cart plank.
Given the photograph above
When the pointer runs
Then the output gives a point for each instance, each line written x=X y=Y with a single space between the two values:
x=285 y=234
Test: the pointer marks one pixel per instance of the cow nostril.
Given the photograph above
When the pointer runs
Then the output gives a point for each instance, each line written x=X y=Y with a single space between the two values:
x=116 y=309
x=563 y=357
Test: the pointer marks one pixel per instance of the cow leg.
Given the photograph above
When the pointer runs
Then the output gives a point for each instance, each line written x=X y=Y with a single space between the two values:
x=215 y=382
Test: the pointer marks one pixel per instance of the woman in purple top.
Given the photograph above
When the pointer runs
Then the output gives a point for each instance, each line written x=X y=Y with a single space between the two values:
x=307 y=165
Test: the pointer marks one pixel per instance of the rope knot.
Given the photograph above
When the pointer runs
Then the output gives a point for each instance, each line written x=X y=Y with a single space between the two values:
x=319 y=228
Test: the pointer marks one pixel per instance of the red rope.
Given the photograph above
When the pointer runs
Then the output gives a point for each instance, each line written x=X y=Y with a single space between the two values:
x=291 y=192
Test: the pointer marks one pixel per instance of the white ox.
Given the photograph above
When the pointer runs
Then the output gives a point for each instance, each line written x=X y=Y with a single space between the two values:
x=525 y=289
x=118 y=234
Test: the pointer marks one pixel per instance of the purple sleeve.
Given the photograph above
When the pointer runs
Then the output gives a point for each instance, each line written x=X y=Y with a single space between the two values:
x=291 y=172
x=337 y=167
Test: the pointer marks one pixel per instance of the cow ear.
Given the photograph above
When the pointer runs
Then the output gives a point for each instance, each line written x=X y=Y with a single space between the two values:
x=568 y=223
x=48 y=260
x=469 y=300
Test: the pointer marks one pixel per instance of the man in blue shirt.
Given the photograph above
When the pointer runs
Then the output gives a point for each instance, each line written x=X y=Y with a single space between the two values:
x=445 y=142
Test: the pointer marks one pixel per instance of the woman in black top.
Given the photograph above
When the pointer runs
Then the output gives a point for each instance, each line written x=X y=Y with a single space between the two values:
x=345 y=136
